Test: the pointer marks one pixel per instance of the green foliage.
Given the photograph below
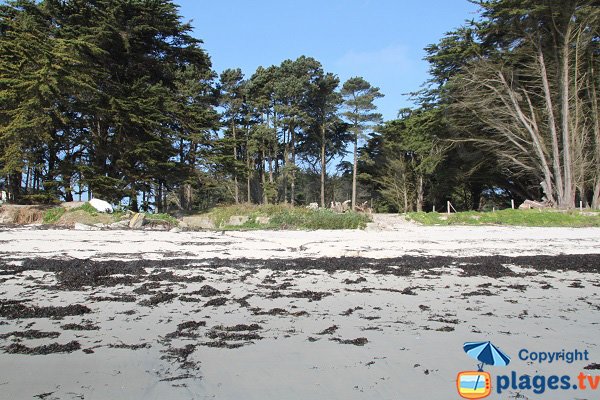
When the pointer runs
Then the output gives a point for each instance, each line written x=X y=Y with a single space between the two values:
x=286 y=217
x=542 y=218
x=163 y=217
x=52 y=215
x=86 y=207
x=319 y=219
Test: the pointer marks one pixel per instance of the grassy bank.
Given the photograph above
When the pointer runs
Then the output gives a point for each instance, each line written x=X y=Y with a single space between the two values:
x=543 y=218
x=250 y=216
x=285 y=217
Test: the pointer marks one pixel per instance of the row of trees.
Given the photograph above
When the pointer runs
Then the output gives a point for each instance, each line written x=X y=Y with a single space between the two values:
x=511 y=111
x=115 y=99
x=289 y=117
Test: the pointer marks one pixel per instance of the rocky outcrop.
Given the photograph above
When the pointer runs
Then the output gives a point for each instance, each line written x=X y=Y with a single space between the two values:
x=137 y=221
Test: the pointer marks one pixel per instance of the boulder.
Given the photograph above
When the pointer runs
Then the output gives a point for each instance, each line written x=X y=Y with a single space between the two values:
x=346 y=205
x=364 y=208
x=197 y=222
x=119 y=224
x=237 y=220
x=137 y=221
x=83 y=227
x=530 y=204
x=313 y=206
x=101 y=205
x=336 y=206
x=263 y=220
x=175 y=230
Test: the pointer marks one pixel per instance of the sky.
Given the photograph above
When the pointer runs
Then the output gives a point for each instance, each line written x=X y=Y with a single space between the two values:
x=380 y=40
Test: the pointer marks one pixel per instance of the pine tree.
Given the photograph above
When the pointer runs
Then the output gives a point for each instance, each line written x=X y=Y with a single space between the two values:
x=358 y=97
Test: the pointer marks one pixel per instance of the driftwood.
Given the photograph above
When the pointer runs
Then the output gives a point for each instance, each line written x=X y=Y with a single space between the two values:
x=313 y=206
x=530 y=204
x=336 y=206
x=364 y=208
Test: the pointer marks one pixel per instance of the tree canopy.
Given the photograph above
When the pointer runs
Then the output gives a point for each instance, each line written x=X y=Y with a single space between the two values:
x=116 y=99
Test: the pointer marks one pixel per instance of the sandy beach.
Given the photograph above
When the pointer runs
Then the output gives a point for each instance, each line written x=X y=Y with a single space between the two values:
x=376 y=314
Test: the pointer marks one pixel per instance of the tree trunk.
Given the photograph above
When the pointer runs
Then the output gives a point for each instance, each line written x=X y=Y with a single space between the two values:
x=405 y=194
x=27 y=179
x=293 y=180
x=568 y=199
x=323 y=165
x=596 y=196
x=354 y=168
x=263 y=177
x=235 y=180
x=248 y=170
x=68 y=190
x=14 y=184
x=286 y=157
x=595 y=114
x=420 y=194
x=538 y=146
x=552 y=123
x=159 y=197
x=248 y=179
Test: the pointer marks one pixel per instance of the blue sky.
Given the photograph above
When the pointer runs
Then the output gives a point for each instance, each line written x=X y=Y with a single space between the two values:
x=382 y=41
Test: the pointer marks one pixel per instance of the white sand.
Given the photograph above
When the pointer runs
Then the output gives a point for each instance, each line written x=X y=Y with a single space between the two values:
x=414 y=240
x=405 y=357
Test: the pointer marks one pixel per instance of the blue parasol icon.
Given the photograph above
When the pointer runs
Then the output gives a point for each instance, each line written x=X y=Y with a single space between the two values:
x=486 y=353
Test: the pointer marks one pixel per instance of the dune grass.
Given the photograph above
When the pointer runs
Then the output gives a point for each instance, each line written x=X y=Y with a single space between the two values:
x=285 y=217
x=541 y=218
x=52 y=215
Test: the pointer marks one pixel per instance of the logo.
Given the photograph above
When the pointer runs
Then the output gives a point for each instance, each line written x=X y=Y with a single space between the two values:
x=474 y=384
x=478 y=384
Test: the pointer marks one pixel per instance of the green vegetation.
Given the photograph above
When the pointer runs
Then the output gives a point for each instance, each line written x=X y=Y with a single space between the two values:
x=544 y=218
x=86 y=207
x=286 y=217
x=117 y=98
x=163 y=217
x=86 y=214
x=52 y=215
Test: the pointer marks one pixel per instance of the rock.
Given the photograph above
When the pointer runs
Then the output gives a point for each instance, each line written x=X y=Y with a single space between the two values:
x=346 y=205
x=119 y=224
x=137 y=221
x=101 y=205
x=100 y=225
x=157 y=226
x=83 y=227
x=175 y=230
x=336 y=206
x=364 y=208
x=263 y=220
x=197 y=222
x=530 y=204
x=237 y=220
x=313 y=206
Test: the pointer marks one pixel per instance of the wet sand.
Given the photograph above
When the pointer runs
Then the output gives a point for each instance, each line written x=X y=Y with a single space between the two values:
x=286 y=315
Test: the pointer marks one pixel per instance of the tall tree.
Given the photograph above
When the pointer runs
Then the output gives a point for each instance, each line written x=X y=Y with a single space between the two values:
x=359 y=96
x=324 y=102
x=232 y=98
x=527 y=97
